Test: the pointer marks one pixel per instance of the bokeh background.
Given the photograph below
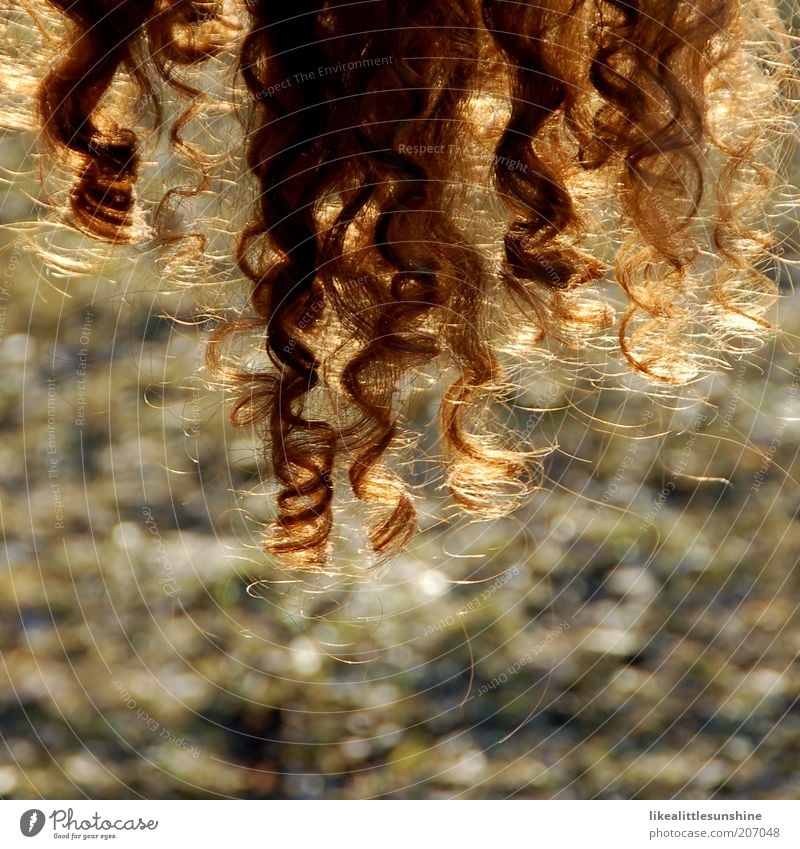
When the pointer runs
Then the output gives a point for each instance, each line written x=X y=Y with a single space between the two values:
x=632 y=632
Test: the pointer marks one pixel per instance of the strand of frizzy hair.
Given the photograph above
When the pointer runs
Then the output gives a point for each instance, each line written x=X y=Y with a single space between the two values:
x=285 y=152
x=185 y=33
x=650 y=67
x=541 y=44
x=413 y=99
x=102 y=40
x=483 y=478
x=390 y=99
x=742 y=291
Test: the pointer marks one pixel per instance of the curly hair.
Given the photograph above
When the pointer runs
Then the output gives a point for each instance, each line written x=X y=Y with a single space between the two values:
x=627 y=142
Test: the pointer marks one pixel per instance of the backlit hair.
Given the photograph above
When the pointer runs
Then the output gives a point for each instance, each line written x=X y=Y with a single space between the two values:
x=607 y=144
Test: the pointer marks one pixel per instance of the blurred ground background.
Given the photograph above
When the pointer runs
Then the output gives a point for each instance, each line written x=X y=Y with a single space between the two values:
x=607 y=641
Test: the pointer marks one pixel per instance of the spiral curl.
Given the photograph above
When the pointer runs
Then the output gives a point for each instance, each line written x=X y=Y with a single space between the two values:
x=104 y=39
